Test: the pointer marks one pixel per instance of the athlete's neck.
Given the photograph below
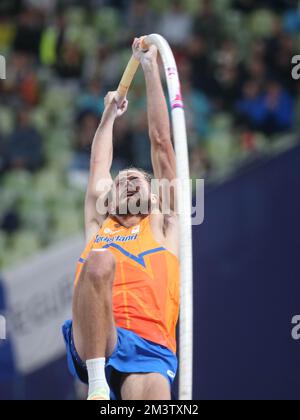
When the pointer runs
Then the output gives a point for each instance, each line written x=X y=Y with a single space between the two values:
x=129 y=220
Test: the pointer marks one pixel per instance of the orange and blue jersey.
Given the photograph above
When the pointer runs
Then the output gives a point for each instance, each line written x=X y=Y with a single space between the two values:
x=146 y=284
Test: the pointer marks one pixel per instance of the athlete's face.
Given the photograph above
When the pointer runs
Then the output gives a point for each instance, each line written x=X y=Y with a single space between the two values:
x=131 y=192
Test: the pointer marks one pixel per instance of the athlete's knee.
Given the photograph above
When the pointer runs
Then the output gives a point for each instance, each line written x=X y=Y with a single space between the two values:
x=147 y=386
x=100 y=268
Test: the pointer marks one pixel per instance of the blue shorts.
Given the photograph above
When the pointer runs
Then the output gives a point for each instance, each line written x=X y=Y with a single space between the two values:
x=133 y=354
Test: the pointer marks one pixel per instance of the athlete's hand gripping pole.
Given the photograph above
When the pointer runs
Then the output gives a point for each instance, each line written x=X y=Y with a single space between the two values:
x=129 y=73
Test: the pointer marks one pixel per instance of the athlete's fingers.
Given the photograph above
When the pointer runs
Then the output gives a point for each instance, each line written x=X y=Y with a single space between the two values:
x=124 y=104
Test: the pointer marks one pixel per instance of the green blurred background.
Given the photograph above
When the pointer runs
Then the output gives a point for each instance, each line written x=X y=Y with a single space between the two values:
x=234 y=59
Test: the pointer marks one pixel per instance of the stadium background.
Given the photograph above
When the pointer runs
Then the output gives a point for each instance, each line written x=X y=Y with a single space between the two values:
x=243 y=110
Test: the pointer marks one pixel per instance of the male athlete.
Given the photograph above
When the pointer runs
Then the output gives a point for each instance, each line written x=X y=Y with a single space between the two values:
x=121 y=341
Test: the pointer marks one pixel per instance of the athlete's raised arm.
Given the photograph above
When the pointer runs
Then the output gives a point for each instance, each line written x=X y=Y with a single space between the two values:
x=162 y=151
x=101 y=161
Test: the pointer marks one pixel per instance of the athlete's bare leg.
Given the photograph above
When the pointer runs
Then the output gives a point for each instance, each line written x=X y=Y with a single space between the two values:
x=94 y=330
x=145 y=386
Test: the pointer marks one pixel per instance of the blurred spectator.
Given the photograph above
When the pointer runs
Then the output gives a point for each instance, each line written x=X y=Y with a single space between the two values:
x=270 y=112
x=22 y=86
x=228 y=54
x=291 y=21
x=88 y=124
x=52 y=41
x=199 y=162
x=91 y=100
x=258 y=71
x=248 y=108
x=70 y=61
x=202 y=69
x=207 y=24
x=283 y=48
x=140 y=19
x=279 y=109
x=24 y=148
x=198 y=111
x=229 y=86
x=29 y=31
x=229 y=75
x=10 y=222
x=176 y=24
x=29 y=89
x=107 y=65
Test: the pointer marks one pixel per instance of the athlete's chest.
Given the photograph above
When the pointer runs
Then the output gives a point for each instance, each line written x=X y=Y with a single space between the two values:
x=128 y=244
x=117 y=236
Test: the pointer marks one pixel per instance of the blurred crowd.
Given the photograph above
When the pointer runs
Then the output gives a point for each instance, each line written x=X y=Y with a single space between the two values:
x=234 y=59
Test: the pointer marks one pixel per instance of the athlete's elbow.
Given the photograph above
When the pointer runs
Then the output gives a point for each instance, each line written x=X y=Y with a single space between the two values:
x=160 y=138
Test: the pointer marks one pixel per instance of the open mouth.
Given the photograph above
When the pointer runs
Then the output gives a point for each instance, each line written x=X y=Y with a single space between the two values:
x=131 y=193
